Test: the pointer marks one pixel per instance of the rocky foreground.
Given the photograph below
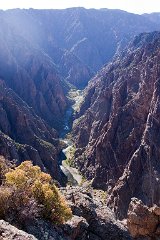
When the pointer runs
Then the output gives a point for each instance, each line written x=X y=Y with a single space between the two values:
x=91 y=220
x=10 y=232
x=143 y=222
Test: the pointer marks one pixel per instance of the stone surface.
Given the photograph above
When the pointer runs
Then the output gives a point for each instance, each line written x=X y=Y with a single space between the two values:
x=8 y=232
x=25 y=136
x=142 y=220
x=31 y=74
x=44 y=230
x=95 y=219
x=156 y=210
x=117 y=132
x=79 y=41
x=92 y=220
x=76 y=228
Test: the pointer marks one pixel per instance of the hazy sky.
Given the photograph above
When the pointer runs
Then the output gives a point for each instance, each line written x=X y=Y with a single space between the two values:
x=136 y=6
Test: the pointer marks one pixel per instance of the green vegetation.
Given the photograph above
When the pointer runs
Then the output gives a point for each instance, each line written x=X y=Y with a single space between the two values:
x=28 y=192
x=70 y=156
x=4 y=168
x=44 y=143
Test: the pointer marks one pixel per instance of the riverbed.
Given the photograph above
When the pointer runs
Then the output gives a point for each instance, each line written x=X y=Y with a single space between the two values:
x=73 y=176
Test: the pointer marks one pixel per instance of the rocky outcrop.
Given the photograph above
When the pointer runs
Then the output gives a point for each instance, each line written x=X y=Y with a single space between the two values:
x=74 y=71
x=8 y=232
x=117 y=133
x=25 y=136
x=32 y=75
x=143 y=221
x=32 y=102
x=92 y=219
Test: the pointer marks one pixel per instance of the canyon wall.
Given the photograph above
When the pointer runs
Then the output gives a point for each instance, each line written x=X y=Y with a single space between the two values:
x=117 y=132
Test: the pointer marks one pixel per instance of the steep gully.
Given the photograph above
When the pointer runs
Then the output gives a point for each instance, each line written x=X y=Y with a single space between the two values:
x=73 y=176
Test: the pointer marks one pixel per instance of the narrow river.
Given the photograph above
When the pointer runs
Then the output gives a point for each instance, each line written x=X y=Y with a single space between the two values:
x=72 y=174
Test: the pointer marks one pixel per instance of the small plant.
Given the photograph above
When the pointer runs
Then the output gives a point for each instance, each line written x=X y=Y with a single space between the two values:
x=27 y=187
x=5 y=194
x=4 y=168
x=70 y=156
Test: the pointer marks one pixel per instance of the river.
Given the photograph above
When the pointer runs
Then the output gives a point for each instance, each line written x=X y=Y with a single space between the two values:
x=73 y=176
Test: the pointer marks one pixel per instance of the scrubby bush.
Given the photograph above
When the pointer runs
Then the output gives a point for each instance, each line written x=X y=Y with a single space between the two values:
x=5 y=195
x=30 y=188
x=4 y=168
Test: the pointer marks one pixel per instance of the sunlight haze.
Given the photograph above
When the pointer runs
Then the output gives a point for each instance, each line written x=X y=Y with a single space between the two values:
x=135 y=6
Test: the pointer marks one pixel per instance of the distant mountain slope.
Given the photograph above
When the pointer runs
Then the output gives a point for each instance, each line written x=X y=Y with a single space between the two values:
x=89 y=38
x=153 y=17
x=32 y=75
x=118 y=130
x=31 y=95
x=23 y=135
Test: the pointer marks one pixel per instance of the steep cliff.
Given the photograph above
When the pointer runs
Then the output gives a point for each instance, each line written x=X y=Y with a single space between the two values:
x=78 y=40
x=40 y=51
x=31 y=98
x=29 y=72
x=24 y=135
x=118 y=130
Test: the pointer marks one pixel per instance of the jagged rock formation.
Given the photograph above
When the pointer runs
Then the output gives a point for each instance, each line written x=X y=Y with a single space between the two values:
x=97 y=221
x=24 y=135
x=118 y=131
x=91 y=220
x=8 y=232
x=31 y=97
x=78 y=40
x=32 y=75
x=143 y=221
x=39 y=50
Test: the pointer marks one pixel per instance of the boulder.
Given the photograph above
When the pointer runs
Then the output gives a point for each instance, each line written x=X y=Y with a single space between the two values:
x=9 y=232
x=142 y=221
x=96 y=220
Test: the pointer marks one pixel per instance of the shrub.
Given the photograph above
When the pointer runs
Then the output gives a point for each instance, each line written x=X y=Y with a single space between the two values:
x=5 y=195
x=4 y=167
x=30 y=188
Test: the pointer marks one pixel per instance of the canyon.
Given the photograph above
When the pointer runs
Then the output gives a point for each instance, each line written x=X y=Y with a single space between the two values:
x=119 y=147
x=79 y=97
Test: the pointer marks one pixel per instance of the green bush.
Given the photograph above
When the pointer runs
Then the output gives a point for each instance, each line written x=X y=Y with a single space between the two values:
x=27 y=187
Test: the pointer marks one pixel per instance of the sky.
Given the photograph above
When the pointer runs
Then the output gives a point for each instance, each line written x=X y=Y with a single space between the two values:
x=135 y=6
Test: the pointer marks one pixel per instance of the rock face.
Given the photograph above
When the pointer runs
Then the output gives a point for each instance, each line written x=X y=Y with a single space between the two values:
x=32 y=75
x=92 y=219
x=40 y=51
x=143 y=221
x=118 y=130
x=8 y=232
x=79 y=41
x=24 y=135
x=31 y=98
